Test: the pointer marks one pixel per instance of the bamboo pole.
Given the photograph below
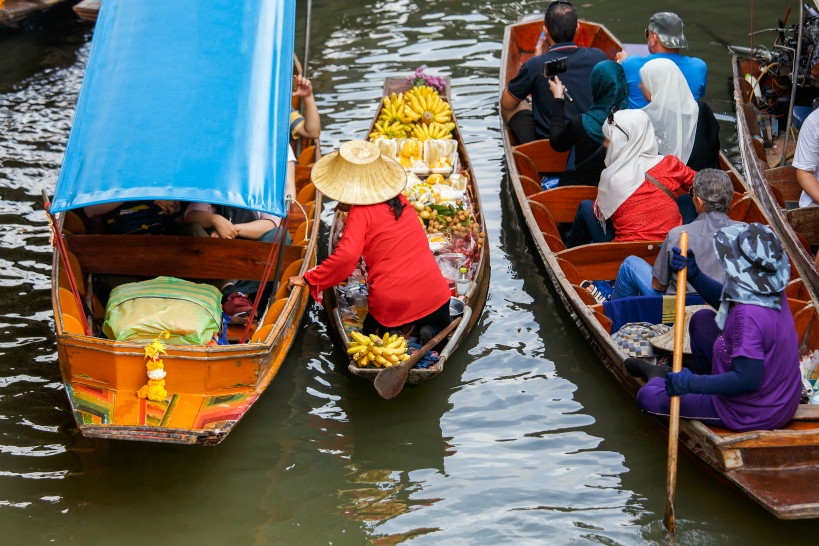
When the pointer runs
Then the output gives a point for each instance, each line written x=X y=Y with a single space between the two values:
x=669 y=519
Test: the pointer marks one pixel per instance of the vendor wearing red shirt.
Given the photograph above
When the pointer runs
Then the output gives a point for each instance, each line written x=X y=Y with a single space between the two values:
x=405 y=284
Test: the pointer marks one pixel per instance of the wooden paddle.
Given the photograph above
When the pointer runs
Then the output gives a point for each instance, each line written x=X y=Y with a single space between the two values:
x=669 y=519
x=390 y=381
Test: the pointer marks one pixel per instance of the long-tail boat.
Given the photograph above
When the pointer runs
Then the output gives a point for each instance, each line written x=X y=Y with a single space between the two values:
x=87 y=10
x=163 y=115
x=14 y=13
x=476 y=296
x=775 y=186
x=775 y=468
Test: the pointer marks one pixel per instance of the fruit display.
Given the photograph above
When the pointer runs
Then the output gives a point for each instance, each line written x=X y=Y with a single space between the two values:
x=375 y=351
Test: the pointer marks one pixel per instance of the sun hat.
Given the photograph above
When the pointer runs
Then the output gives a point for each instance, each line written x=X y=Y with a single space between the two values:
x=756 y=267
x=669 y=29
x=357 y=174
x=666 y=341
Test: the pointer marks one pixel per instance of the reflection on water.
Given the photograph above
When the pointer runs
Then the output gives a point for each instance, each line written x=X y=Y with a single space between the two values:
x=524 y=439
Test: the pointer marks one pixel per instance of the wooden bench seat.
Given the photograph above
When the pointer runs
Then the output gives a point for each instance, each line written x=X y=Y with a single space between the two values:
x=563 y=202
x=601 y=261
x=544 y=157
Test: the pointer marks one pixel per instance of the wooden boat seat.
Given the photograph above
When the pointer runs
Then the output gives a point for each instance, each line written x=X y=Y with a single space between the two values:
x=746 y=210
x=302 y=177
x=72 y=325
x=273 y=312
x=73 y=223
x=307 y=156
x=805 y=222
x=299 y=233
x=783 y=179
x=68 y=305
x=175 y=256
x=601 y=261
x=547 y=226
x=530 y=187
x=587 y=298
x=796 y=289
x=543 y=156
x=563 y=202
x=307 y=194
x=62 y=281
x=260 y=335
x=739 y=187
x=555 y=243
x=604 y=321
x=797 y=305
x=290 y=271
x=803 y=320
x=572 y=275
x=526 y=167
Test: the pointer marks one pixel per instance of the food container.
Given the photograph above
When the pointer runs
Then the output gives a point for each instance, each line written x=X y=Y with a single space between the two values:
x=436 y=149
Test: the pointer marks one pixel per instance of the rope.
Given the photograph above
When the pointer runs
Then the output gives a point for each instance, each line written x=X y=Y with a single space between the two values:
x=306 y=220
x=274 y=248
x=57 y=240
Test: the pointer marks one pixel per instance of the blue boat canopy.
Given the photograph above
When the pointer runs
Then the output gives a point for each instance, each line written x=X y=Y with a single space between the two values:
x=184 y=100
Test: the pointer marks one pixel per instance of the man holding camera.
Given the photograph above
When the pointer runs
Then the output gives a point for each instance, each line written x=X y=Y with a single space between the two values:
x=529 y=123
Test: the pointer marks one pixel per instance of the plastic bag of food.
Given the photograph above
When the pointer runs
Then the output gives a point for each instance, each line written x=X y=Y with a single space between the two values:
x=141 y=311
x=450 y=264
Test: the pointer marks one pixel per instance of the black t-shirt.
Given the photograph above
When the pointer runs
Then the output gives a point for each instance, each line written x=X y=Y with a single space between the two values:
x=590 y=155
x=530 y=81
x=705 y=152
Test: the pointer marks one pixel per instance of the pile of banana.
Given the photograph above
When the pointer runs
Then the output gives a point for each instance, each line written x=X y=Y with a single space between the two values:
x=420 y=113
x=379 y=352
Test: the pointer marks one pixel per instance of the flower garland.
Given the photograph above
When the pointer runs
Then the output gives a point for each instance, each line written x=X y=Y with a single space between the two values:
x=154 y=390
x=422 y=78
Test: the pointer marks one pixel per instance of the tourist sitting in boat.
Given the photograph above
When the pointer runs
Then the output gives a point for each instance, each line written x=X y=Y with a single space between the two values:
x=806 y=161
x=745 y=357
x=636 y=200
x=137 y=217
x=584 y=132
x=222 y=222
x=531 y=122
x=665 y=39
x=684 y=127
x=404 y=281
x=712 y=193
x=307 y=125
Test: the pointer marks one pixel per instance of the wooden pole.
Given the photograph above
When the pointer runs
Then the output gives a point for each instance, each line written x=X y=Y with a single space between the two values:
x=669 y=520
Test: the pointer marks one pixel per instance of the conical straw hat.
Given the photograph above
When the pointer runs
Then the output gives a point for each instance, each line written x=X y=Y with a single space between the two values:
x=358 y=174
x=666 y=341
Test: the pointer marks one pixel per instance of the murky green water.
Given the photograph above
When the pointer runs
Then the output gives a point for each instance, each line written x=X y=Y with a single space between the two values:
x=524 y=440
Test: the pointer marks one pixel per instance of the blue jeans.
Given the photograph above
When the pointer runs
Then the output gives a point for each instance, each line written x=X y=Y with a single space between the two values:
x=586 y=229
x=634 y=279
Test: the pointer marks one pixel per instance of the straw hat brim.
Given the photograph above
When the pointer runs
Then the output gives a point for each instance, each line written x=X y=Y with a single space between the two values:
x=665 y=341
x=366 y=182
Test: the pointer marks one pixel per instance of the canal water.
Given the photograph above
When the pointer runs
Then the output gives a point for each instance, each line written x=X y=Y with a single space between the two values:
x=524 y=440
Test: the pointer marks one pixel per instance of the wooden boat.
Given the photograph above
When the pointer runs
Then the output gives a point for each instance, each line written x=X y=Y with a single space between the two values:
x=775 y=468
x=210 y=387
x=775 y=186
x=476 y=297
x=13 y=13
x=87 y=10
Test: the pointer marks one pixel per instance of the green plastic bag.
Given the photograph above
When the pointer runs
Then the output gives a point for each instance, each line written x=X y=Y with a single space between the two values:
x=140 y=311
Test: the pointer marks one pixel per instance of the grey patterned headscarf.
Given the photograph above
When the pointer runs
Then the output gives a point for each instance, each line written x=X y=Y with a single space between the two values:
x=756 y=266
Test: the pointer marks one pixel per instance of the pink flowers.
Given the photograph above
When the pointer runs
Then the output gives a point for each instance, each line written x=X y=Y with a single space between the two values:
x=420 y=78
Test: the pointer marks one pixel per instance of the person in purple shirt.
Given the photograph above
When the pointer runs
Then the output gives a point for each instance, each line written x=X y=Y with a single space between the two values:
x=665 y=39
x=746 y=356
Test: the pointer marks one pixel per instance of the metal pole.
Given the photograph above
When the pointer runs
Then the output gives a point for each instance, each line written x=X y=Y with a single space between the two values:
x=794 y=79
x=307 y=38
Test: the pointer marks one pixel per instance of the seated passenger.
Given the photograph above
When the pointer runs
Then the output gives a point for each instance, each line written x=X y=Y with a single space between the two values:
x=665 y=38
x=381 y=227
x=746 y=356
x=309 y=124
x=806 y=161
x=636 y=198
x=584 y=132
x=223 y=222
x=712 y=195
x=529 y=123
x=159 y=217
x=684 y=127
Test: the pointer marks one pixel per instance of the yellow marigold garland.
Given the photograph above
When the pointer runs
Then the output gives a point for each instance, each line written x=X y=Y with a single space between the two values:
x=154 y=390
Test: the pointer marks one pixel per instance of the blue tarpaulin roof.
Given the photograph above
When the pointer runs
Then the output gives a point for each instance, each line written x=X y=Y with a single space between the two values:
x=185 y=100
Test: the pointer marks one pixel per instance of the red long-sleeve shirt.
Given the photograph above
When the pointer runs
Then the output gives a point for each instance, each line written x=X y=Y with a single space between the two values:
x=405 y=283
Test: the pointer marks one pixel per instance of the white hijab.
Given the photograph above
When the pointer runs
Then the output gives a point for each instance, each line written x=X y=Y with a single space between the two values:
x=672 y=109
x=627 y=159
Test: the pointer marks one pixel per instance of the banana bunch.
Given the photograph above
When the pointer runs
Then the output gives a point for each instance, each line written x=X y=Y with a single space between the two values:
x=378 y=352
x=393 y=111
x=433 y=131
x=384 y=129
x=424 y=105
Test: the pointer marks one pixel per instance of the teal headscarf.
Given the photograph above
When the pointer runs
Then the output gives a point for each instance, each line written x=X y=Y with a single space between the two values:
x=609 y=89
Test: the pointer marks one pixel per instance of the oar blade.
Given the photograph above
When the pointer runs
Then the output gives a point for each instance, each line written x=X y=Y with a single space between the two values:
x=390 y=381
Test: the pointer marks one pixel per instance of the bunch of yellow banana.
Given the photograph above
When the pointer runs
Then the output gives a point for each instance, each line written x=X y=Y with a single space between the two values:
x=424 y=105
x=379 y=352
x=383 y=129
x=433 y=131
x=393 y=111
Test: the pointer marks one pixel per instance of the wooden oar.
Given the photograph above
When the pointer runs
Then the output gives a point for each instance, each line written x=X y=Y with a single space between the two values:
x=390 y=381
x=669 y=520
